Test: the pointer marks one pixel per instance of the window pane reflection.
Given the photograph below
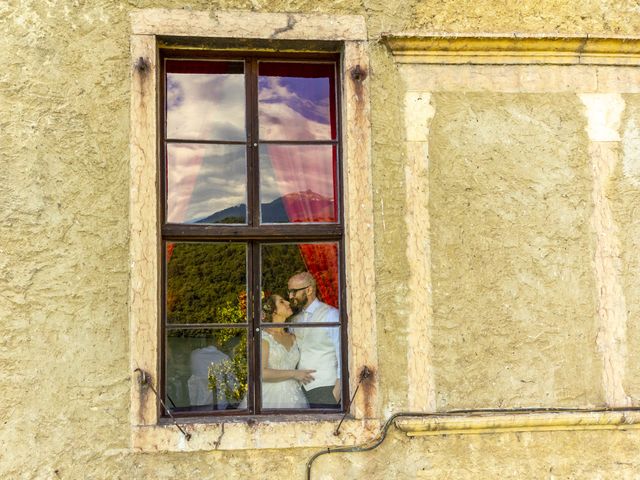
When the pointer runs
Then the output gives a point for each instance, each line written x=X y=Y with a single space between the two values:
x=206 y=283
x=300 y=286
x=206 y=369
x=296 y=101
x=206 y=183
x=319 y=260
x=301 y=367
x=205 y=100
x=298 y=183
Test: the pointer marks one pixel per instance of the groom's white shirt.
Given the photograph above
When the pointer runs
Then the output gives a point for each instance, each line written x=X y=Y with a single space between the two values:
x=319 y=346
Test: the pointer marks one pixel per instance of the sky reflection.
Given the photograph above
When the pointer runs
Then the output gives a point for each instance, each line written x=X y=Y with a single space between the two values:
x=206 y=101
x=203 y=179
x=207 y=106
x=295 y=101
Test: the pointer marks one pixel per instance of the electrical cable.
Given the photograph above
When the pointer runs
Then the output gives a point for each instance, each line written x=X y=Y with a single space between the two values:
x=383 y=432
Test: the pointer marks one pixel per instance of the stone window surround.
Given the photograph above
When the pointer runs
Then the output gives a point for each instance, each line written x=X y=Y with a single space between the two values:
x=148 y=432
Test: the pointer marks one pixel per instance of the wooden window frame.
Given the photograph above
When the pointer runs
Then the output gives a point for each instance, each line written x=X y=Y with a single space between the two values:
x=254 y=234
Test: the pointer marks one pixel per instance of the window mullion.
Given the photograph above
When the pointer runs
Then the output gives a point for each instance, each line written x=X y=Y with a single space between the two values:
x=253 y=170
x=253 y=219
x=254 y=322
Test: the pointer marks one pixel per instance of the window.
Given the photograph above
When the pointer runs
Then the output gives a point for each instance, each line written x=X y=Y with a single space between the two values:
x=158 y=30
x=252 y=234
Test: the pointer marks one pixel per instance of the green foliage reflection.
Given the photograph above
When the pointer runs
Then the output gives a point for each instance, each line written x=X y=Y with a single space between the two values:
x=206 y=283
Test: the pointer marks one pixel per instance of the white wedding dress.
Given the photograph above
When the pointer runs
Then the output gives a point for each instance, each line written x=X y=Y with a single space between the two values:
x=286 y=393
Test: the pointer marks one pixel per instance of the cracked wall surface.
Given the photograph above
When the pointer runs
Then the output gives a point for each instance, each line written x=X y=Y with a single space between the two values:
x=510 y=198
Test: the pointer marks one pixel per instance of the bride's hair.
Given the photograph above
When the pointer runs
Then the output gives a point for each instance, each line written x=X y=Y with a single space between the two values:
x=269 y=308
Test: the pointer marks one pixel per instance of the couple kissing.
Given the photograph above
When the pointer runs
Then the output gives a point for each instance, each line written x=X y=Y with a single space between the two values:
x=301 y=366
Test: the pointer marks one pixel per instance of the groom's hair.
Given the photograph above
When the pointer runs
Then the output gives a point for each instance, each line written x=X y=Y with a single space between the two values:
x=306 y=277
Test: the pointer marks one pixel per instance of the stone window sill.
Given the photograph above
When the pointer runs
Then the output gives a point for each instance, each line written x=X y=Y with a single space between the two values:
x=253 y=433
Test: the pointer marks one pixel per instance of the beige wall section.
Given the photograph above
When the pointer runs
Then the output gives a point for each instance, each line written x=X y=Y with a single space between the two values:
x=421 y=388
x=604 y=112
x=143 y=218
x=509 y=456
x=589 y=350
x=624 y=198
x=225 y=24
x=513 y=289
x=392 y=264
x=522 y=78
x=358 y=206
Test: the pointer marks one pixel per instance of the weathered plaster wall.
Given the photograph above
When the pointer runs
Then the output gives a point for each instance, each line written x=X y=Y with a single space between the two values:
x=512 y=283
x=590 y=16
x=624 y=192
x=64 y=376
x=392 y=264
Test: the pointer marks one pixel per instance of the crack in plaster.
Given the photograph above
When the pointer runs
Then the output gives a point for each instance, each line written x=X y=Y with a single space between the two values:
x=291 y=22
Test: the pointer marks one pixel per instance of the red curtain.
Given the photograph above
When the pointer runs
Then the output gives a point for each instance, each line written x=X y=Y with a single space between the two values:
x=298 y=174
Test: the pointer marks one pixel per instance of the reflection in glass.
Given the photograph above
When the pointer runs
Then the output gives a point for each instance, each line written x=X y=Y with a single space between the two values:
x=281 y=261
x=282 y=381
x=206 y=369
x=299 y=282
x=296 y=101
x=320 y=359
x=206 y=183
x=206 y=283
x=298 y=183
x=205 y=100
x=278 y=263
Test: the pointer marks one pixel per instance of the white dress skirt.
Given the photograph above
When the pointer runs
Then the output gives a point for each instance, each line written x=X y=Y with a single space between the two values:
x=285 y=393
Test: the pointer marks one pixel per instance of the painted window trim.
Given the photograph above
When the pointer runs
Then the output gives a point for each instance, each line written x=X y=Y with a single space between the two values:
x=148 y=432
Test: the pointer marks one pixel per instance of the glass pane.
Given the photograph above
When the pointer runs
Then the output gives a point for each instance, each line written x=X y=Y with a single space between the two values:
x=206 y=369
x=205 y=100
x=300 y=367
x=298 y=183
x=206 y=283
x=296 y=101
x=206 y=183
x=287 y=267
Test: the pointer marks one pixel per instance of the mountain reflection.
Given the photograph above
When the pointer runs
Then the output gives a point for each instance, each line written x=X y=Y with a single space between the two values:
x=293 y=207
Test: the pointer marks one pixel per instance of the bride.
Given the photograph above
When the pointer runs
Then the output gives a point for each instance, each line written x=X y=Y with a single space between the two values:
x=281 y=382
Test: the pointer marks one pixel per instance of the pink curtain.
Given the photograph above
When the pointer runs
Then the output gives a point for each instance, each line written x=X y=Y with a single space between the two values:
x=306 y=175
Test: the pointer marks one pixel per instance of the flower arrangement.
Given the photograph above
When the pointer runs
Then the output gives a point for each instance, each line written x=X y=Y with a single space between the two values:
x=229 y=377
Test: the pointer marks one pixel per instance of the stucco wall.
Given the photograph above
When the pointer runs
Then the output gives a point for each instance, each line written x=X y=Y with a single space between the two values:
x=625 y=194
x=64 y=366
x=512 y=282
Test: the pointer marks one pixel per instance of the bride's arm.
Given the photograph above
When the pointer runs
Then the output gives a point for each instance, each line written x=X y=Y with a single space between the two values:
x=275 y=375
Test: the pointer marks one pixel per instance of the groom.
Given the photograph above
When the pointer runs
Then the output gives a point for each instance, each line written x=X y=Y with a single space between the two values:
x=319 y=346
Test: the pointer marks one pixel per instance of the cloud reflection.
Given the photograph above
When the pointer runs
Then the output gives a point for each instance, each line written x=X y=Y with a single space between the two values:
x=294 y=108
x=297 y=169
x=205 y=179
x=202 y=179
x=205 y=106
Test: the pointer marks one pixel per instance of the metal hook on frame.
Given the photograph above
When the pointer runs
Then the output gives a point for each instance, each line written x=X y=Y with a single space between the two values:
x=145 y=381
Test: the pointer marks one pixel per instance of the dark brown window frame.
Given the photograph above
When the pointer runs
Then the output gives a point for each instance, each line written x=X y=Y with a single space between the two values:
x=253 y=234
